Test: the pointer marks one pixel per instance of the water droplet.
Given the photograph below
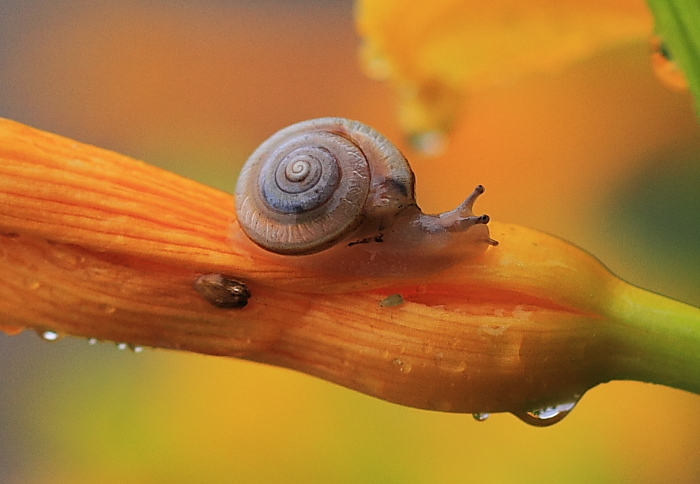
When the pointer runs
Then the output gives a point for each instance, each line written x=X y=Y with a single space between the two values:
x=429 y=143
x=520 y=313
x=546 y=416
x=32 y=284
x=455 y=366
x=449 y=364
x=401 y=365
x=92 y=341
x=63 y=256
x=108 y=309
x=551 y=412
x=122 y=346
x=50 y=336
x=493 y=330
x=480 y=417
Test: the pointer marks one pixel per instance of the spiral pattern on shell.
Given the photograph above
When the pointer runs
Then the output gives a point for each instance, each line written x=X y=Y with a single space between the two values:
x=303 y=188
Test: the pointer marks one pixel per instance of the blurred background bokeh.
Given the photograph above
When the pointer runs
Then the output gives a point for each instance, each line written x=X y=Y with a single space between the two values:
x=597 y=152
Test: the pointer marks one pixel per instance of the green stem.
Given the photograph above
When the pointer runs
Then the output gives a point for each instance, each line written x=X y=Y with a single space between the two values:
x=658 y=339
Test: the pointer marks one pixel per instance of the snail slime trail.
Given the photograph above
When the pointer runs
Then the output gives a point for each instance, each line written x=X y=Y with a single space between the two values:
x=336 y=195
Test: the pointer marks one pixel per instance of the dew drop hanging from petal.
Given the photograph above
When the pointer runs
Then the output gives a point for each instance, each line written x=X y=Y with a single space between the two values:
x=546 y=416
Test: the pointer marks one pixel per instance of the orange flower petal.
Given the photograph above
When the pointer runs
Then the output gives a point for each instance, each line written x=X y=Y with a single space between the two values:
x=98 y=245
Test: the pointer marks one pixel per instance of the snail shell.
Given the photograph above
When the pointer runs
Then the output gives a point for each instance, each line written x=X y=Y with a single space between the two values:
x=335 y=183
x=314 y=182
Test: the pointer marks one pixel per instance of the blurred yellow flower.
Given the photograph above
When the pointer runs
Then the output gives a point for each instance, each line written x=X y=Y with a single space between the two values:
x=436 y=53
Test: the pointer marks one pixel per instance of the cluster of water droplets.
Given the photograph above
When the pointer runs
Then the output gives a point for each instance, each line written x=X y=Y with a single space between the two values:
x=134 y=348
x=53 y=336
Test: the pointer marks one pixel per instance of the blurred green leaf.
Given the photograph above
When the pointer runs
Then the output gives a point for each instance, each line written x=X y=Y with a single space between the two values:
x=678 y=24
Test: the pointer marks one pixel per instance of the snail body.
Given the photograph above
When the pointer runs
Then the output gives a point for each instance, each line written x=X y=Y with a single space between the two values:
x=337 y=194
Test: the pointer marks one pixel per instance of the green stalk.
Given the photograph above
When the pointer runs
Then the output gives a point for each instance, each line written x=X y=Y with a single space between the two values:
x=658 y=339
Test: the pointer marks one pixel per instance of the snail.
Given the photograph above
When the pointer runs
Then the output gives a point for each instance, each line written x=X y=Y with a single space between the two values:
x=336 y=194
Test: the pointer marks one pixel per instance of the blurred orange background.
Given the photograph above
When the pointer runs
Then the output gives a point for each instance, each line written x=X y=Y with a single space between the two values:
x=599 y=153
